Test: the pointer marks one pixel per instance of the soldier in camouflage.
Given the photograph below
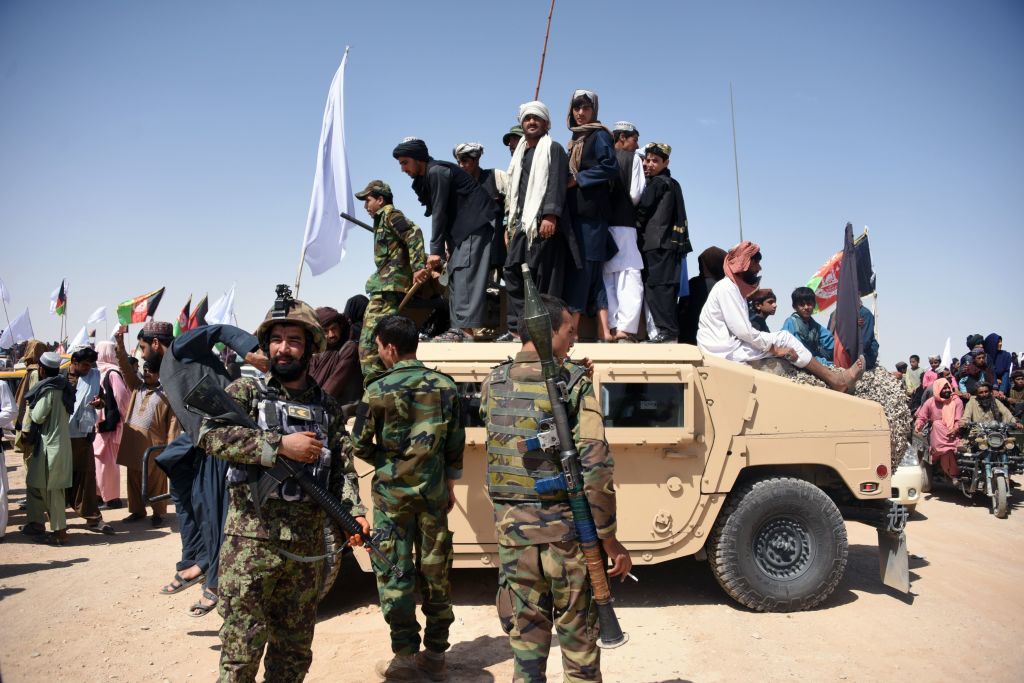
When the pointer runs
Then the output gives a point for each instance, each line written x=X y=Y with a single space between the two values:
x=268 y=589
x=397 y=253
x=410 y=428
x=543 y=572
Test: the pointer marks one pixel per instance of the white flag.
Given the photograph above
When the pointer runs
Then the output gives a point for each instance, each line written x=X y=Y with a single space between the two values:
x=81 y=339
x=5 y=296
x=98 y=316
x=947 y=355
x=324 y=241
x=20 y=330
x=222 y=312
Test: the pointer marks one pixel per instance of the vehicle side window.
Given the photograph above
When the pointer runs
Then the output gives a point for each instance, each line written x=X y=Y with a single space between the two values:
x=469 y=394
x=642 y=404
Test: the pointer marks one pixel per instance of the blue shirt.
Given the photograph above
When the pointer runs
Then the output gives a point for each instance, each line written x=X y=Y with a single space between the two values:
x=83 y=420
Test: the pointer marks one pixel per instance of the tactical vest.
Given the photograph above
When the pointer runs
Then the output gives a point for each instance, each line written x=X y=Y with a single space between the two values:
x=276 y=414
x=516 y=411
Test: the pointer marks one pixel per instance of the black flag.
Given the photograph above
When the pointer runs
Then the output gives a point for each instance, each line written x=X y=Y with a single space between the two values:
x=848 y=343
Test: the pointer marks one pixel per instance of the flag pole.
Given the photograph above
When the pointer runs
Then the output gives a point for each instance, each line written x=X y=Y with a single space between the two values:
x=302 y=262
x=736 y=159
x=544 y=52
x=5 y=313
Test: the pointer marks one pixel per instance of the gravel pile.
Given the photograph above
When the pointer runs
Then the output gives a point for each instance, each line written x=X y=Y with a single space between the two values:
x=876 y=385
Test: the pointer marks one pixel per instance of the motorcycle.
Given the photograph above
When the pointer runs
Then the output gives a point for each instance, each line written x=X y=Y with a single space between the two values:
x=986 y=458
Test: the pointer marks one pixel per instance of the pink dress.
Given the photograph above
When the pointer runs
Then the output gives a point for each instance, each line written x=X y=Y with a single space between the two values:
x=942 y=441
x=108 y=474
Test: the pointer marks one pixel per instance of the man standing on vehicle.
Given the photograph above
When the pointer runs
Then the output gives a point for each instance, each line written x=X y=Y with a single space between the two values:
x=410 y=428
x=269 y=589
x=543 y=573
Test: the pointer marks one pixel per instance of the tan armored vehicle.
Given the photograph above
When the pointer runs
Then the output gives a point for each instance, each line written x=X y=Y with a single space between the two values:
x=714 y=459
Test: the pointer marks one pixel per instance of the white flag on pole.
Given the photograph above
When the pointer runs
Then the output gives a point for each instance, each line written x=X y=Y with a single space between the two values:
x=222 y=312
x=81 y=339
x=324 y=241
x=947 y=355
x=5 y=296
x=20 y=330
x=98 y=316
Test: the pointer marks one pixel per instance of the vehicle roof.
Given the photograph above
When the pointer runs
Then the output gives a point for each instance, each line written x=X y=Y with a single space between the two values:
x=493 y=353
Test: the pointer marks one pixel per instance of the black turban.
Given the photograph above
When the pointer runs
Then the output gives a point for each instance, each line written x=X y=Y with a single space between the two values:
x=414 y=149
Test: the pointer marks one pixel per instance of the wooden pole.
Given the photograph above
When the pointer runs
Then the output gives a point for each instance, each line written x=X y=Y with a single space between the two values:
x=544 y=53
x=736 y=160
x=298 y=275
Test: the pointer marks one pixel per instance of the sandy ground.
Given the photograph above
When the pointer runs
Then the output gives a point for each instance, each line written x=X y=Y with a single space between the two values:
x=90 y=612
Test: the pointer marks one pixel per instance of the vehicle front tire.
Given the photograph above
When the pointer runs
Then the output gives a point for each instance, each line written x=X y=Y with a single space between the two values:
x=779 y=546
x=1000 y=497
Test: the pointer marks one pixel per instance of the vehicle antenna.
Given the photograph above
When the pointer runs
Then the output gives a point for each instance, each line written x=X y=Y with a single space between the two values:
x=544 y=53
x=736 y=160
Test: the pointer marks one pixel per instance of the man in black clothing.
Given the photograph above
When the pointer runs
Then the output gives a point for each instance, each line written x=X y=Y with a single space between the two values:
x=462 y=228
x=661 y=219
x=623 y=273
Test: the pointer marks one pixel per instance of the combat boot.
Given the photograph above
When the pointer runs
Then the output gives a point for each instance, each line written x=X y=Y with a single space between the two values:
x=399 y=669
x=432 y=665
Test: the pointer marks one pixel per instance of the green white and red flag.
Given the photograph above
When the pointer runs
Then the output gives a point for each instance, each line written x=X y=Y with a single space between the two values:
x=181 y=324
x=59 y=299
x=825 y=282
x=136 y=310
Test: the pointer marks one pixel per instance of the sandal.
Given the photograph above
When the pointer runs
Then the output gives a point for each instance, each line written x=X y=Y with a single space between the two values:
x=453 y=336
x=182 y=583
x=202 y=609
x=57 y=537
x=33 y=529
x=134 y=517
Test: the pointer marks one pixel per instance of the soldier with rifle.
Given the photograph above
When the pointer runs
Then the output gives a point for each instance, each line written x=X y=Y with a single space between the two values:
x=549 y=478
x=283 y=440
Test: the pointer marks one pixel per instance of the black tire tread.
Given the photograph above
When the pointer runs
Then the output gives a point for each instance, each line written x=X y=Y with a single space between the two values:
x=1001 y=504
x=722 y=557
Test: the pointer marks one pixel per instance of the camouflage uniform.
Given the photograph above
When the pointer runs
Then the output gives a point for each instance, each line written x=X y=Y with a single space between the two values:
x=398 y=253
x=263 y=595
x=542 y=565
x=409 y=427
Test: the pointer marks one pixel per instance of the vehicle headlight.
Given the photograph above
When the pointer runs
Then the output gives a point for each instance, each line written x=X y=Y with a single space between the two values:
x=1010 y=444
x=911 y=492
x=995 y=440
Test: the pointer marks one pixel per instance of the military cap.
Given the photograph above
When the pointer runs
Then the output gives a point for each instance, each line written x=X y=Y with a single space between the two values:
x=50 y=359
x=514 y=130
x=377 y=188
x=157 y=328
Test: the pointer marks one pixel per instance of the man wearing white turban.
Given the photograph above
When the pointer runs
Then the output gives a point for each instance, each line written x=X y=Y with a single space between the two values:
x=537 y=234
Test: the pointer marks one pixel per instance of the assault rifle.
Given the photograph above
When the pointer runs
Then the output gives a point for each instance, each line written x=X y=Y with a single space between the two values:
x=208 y=399
x=538 y=324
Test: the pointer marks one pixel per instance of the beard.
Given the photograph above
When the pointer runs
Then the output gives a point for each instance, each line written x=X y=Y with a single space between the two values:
x=945 y=394
x=288 y=372
x=985 y=403
x=153 y=358
x=751 y=278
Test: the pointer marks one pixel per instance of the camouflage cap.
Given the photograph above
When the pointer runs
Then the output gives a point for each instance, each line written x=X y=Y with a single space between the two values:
x=514 y=130
x=377 y=188
x=659 y=148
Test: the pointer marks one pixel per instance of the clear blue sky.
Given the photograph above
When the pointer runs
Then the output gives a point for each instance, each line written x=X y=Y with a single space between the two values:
x=149 y=144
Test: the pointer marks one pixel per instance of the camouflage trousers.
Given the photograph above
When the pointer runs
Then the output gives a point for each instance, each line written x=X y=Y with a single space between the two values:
x=549 y=587
x=421 y=545
x=266 y=600
x=380 y=305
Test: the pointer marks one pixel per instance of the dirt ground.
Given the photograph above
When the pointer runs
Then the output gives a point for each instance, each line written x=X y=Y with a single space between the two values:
x=90 y=612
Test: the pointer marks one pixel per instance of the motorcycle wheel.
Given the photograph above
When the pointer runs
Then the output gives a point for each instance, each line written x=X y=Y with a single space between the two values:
x=1000 y=497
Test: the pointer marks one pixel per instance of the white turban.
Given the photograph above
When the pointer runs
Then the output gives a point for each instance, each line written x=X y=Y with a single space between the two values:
x=537 y=108
x=472 y=149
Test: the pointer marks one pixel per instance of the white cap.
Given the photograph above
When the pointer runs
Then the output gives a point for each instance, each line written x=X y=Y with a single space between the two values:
x=51 y=360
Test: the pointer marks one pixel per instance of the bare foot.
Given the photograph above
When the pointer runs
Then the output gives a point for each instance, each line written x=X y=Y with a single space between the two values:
x=846 y=380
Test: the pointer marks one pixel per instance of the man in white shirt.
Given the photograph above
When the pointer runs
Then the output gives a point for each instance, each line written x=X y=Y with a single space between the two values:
x=725 y=330
x=623 y=282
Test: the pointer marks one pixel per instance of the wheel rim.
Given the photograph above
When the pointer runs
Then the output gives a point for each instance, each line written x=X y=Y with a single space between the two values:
x=783 y=548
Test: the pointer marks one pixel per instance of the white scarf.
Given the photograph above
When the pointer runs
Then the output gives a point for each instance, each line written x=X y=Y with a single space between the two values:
x=536 y=186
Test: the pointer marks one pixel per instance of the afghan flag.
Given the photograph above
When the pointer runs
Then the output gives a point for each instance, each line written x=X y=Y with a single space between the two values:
x=181 y=324
x=848 y=341
x=825 y=282
x=138 y=309
x=198 y=317
x=59 y=300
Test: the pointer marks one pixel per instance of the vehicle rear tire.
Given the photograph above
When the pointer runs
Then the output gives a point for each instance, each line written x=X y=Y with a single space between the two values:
x=779 y=545
x=1000 y=497
x=331 y=565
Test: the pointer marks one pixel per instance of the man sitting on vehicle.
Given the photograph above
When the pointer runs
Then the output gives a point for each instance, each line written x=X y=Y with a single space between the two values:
x=983 y=407
x=725 y=330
